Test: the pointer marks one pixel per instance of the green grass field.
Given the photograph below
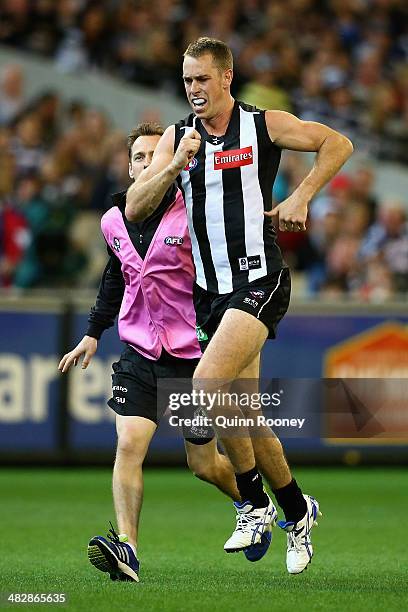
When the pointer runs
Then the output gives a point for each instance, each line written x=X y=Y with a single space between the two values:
x=360 y=562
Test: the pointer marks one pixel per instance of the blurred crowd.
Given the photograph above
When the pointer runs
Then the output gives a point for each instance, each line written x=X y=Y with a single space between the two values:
x=343 y=62
x=59 y=164
x=356 y=246
x=340 y=61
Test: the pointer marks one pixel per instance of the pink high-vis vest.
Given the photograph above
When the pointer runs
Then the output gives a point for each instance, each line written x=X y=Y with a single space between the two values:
x=157 y=307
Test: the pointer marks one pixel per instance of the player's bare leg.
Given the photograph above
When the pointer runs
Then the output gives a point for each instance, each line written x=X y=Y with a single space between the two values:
x=269 y=455
x=208 y=464
x=237 y=341
x=134 y=436
x=301 y=511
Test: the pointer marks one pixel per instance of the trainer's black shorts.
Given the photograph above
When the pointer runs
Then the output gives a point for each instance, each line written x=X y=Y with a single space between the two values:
x=266 y=298
x=135 y=390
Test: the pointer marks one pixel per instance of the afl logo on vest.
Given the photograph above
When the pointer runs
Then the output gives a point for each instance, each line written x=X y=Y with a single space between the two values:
x=173 y=240
x=191 y=165
x=116 y=244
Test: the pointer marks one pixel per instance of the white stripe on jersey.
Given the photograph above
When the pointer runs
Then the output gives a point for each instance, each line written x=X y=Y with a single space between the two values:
x=252 y=195
x=214 y=219
x=189 y=128
x=188 y=197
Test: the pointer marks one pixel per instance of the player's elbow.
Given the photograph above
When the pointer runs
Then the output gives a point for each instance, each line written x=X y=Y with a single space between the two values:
x=345 y=145
x=134 y=214
x=349 y=146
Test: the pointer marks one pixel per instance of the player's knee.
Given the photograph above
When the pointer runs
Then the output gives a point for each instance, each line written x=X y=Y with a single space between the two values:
x=207 y=381
x=129 y=445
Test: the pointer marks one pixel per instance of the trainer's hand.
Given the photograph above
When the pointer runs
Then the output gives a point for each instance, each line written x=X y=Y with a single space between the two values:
x=291 y=214
x=86 y=347
x=188 y=147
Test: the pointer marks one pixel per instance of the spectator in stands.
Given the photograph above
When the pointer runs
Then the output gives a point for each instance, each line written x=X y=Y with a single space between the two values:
x=11 y=93
x=362 y=188
x=14 y=22
x=387 y=242
x=14 y=239
x=28 y=146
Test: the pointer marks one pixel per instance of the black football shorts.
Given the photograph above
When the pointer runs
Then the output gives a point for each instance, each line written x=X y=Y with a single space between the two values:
x=135 y=388
x=266 y=298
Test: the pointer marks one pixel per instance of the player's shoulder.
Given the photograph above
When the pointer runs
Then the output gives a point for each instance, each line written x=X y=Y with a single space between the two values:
x=250 y=108
x=186 y=122
x=180 y=128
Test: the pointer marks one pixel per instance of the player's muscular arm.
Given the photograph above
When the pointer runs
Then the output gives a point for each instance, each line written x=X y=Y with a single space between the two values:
x=146 y=193
x=332 y=151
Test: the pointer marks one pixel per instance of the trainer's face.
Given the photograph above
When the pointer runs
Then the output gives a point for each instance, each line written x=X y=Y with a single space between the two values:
x=142 y=154
x=207 y=87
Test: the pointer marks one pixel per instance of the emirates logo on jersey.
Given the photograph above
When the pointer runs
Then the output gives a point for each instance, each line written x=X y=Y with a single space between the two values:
x=224 y=160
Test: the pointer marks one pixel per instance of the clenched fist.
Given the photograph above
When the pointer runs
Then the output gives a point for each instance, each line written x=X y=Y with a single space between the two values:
x=188 y=147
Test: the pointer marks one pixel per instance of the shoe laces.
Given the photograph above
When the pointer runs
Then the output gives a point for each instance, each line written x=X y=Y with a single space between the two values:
x=112 y=535
x=297 y=542
x=245 y=521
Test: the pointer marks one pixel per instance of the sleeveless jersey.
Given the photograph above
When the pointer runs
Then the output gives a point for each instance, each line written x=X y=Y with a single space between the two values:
x=227 y=187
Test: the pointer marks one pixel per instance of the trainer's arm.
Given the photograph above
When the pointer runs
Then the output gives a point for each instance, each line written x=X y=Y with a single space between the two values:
x=146 y=193
x=109 y=298
x=101 y=317
x=332 y=149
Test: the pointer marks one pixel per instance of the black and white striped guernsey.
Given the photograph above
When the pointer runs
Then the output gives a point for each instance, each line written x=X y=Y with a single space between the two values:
x=227 y=187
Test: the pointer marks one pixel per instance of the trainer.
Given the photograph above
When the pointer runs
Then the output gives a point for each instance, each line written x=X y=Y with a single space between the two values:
x=148 y=282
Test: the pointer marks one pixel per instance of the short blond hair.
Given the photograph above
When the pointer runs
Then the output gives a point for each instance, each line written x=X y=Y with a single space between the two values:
x=220 y=52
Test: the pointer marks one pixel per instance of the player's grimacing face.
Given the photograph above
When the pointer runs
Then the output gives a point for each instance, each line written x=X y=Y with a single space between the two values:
x=142 y=154
x=205 y=85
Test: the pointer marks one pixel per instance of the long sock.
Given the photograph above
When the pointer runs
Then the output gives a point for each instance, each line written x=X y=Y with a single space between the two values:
x=292 y=502
x=250 y=487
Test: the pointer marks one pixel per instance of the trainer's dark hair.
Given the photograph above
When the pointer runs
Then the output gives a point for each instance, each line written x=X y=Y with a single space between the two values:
x=220 y=52
x=143 y=129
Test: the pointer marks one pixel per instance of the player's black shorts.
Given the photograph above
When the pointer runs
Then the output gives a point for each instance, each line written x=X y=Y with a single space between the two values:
x=135 y=389
x=266 y=298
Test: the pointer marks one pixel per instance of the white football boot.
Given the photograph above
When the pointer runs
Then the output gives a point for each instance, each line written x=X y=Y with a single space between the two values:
x=251 y=524
x=300 y=550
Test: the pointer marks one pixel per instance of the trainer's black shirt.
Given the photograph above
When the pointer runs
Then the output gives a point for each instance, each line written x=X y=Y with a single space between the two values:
x=227 y=187
x=112 y=286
